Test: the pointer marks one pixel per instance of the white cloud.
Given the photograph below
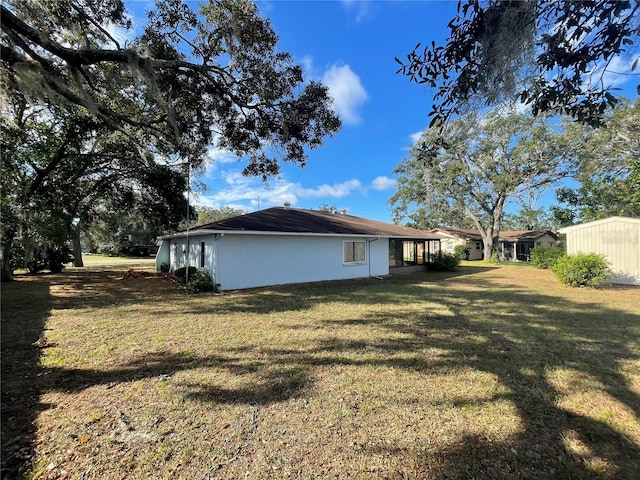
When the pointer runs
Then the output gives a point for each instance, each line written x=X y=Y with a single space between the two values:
x=347 y=92
x=249 y=193
x=307 y=64
x=617 y=72
x=216 y=156
x=335 y=191
x=383 y=183
x=360 y=7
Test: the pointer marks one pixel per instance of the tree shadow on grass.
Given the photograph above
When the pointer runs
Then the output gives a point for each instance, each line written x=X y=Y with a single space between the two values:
x=26 y=305
x=98 y=288
x=268 y=383
x=302 y=296
x=521 y=342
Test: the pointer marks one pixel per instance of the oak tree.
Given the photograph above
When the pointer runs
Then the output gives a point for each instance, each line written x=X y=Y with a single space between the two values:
x=191 y=81
x=475 y=165
x=551 y=55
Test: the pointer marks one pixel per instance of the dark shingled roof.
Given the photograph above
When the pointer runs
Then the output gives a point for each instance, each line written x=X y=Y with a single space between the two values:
x=524 y=235
x=295 y=220
x=464 y=233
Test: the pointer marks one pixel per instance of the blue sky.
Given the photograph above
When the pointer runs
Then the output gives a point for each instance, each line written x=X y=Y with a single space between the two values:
x=350 y=46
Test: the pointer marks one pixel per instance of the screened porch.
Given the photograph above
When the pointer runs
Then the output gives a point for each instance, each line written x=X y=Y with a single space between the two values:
x=411 y=255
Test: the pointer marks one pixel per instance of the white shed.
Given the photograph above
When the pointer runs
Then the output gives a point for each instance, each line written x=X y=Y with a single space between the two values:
x=289 y=245
x=617 y=238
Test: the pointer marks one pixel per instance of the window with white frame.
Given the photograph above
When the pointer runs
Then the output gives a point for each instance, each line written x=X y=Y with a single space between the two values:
x=355 y=252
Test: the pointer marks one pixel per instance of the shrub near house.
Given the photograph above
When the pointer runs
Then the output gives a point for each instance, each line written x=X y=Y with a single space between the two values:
x=200 y=279
x=582 y=270
x=462 y=251
x=444 y=261
x=546 y=257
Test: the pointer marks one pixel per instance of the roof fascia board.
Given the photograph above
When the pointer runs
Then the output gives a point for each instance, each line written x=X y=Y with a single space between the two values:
x=293 y=234
x=602 y=221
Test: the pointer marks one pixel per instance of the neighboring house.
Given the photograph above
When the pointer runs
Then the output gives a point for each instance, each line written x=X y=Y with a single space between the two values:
x=289 y=245
x=617 y=238
x=514 y=245
x=461 y=236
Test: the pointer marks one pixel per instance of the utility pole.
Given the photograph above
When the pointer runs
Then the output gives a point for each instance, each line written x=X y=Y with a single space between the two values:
x=186 y=273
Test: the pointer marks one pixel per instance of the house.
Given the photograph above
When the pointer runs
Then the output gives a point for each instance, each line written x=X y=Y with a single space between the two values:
x=516 y=245
x=617 y=238
x=289 y=245
x=513 y=245
x=461 y=236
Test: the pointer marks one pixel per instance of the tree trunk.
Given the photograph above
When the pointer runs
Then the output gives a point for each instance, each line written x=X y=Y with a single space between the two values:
x=488 y=246
x=77 y=246
x=493 y=232
x=6 y=274
x=490 y=235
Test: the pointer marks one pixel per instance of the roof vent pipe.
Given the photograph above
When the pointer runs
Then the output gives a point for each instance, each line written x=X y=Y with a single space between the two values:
x=287 y=205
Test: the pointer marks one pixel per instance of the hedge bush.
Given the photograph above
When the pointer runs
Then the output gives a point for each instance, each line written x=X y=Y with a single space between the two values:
x=444 y=261
x=181 y=273
x=546 y=257
x=200 y=280
x=582 y=270
x=462 y=251
x=495 y=258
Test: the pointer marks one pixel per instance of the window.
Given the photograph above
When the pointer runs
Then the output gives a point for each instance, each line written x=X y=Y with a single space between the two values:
x=478 y=245
x=354 y=252
x=202 y=254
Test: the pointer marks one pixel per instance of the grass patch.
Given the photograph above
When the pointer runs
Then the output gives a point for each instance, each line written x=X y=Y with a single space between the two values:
x=486 y=372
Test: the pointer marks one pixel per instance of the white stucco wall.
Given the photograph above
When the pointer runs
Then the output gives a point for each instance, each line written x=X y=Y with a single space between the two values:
x=177 y=248
x=238 y=260
x=617 y=238
x=163 y=255
x=245 y=261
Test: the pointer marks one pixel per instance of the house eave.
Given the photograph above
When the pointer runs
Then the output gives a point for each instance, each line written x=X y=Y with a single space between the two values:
x=201 y=232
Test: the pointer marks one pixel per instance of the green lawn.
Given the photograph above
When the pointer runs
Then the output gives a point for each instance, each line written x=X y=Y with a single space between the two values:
x=489 y=372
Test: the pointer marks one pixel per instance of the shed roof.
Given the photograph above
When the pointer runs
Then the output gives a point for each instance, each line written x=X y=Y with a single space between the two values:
x=600 y=222
x=300 y=221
